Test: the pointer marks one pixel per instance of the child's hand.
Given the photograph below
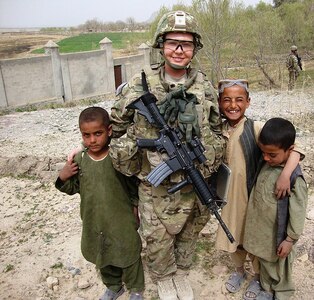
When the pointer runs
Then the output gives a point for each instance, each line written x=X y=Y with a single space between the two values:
x=70 y=168
x=73 y=152
x=284 y=249
x=282 y=186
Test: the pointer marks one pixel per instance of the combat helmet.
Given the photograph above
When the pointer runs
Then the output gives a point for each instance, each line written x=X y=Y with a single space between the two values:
x=294 y=48
x=176 y=21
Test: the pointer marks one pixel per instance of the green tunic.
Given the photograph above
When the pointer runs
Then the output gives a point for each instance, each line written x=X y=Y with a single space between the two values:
x=261 y=225
x=109 y=233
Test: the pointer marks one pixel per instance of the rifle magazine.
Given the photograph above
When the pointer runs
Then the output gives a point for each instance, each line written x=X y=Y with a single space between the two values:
x=158 y=174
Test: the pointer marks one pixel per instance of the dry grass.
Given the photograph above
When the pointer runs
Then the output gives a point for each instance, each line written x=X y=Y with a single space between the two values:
x=17 y=44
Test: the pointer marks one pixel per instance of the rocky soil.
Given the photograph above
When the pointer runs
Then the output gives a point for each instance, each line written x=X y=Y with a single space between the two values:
x=40 y=227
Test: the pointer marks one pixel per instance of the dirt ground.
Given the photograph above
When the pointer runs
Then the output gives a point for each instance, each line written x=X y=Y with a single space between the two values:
x=40 y=227
x=18 y=45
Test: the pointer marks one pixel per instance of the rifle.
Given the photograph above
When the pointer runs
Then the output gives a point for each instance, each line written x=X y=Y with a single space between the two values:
x=181 y=155
x=299 y=62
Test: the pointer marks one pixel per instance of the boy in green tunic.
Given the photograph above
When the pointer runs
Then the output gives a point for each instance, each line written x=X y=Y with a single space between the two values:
x=279 y=224
x=108 y=208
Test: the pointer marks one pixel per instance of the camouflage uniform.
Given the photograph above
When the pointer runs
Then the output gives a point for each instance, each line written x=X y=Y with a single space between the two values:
x=293 y=68
x=170 y=223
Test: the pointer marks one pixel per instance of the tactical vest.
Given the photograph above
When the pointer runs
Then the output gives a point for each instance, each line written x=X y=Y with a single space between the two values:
x=288 y=62
x=201 y=89
x=252 y=154
x=144 y=160
x=292 y=62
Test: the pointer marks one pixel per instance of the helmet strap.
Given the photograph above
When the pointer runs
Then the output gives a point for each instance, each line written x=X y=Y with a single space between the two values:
x=177 y=67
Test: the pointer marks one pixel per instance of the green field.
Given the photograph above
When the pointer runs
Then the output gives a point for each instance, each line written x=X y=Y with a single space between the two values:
x=90 y=41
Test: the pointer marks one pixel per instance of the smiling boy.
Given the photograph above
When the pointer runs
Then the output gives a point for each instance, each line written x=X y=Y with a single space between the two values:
x=242 y=157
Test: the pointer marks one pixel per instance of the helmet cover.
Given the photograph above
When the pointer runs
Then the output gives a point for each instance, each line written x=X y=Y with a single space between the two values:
x=294 y=48
x=176 y=21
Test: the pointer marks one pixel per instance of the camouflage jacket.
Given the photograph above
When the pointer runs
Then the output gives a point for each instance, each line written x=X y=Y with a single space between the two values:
x=292 y=63
x=129 y=125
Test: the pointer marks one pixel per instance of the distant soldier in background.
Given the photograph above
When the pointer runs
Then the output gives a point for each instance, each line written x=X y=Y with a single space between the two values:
x=294 y=66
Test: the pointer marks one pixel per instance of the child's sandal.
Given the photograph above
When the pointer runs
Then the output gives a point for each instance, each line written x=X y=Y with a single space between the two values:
x=252 y=290
x=263 y=295
x=233 y=284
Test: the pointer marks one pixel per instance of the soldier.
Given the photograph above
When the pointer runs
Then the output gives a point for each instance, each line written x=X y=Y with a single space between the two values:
x=170 y=223
x=294 y=66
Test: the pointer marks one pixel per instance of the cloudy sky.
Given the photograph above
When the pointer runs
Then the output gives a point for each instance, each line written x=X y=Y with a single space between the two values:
x=63 y=13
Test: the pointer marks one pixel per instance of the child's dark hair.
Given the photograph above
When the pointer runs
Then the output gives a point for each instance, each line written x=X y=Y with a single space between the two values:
x=279 y=132
x=94 y=113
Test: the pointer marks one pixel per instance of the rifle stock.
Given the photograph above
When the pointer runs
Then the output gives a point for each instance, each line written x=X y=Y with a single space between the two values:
x=181 y=155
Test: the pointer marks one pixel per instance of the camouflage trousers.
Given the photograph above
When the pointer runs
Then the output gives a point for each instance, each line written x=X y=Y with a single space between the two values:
x=293 y=75
x=170 y=225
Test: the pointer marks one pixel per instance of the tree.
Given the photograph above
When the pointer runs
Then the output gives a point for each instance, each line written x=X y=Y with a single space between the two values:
x=131 y=23
x=266 y=31
x=308 y=31
x=92 y=25
x=217 y=28
x=292 y=16
x=277 y=3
